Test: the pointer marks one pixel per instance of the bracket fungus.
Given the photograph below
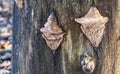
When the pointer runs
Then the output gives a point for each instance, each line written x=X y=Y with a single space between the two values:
x=52 y=33
x=93 y=25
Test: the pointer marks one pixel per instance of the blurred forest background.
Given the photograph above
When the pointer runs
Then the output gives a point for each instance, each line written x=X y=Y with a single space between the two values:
x=5 y=35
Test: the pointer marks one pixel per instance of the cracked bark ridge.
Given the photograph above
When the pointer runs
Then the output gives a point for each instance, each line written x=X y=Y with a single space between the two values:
x=93 y=25
x=52 y=33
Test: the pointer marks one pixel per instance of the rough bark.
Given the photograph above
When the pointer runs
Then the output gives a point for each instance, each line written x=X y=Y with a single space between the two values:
x=31 y=55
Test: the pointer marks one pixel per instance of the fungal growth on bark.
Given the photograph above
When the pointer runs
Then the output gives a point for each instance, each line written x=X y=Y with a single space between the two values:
x=93 y=25
x=88 y=59
x=88 y=63
x=52 y=33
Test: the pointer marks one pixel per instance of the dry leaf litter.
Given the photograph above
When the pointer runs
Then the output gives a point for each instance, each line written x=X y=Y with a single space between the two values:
x=5 y=36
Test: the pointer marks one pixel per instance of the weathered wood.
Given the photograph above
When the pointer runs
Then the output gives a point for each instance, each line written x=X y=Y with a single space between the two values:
x=31 y=55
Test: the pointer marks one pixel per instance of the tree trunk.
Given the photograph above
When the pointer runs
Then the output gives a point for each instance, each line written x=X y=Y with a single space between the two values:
x=31 y=55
